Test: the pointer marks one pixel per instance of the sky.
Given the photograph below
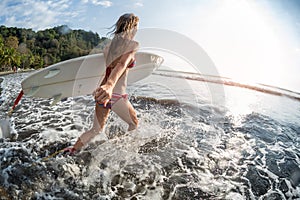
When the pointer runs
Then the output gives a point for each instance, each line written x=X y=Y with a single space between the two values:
x=255 y=41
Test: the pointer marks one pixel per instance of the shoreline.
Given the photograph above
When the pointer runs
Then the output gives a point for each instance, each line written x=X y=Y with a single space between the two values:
x=12 y=72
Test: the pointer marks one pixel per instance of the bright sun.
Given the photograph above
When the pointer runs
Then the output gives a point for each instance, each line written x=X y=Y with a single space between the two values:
x=242 y=40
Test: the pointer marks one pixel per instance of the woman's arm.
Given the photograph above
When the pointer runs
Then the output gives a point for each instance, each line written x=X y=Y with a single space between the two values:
x=104 y=93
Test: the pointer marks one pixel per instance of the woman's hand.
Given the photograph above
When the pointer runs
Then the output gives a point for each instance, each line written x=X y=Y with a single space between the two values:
x=103 y=94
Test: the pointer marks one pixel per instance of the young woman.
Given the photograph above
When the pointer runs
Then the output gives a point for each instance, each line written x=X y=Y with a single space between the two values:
x=111 y=94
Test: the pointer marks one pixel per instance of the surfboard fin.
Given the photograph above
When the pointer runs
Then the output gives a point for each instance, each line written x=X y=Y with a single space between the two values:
x=157 y=60
x=56 y=98
x=52 y=73
x=33 y=90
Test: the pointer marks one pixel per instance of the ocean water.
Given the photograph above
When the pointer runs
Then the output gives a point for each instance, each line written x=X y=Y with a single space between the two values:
x=196 y=140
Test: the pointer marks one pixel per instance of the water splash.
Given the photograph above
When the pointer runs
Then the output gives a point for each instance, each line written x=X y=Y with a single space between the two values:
x=180 y=151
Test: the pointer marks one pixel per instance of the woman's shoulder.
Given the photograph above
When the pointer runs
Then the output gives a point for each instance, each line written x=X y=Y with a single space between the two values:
x=130 y=45
x=135 y=45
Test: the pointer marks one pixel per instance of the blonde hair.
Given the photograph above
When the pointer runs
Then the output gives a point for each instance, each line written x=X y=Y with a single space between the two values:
x=120 y=43
x=125 y=24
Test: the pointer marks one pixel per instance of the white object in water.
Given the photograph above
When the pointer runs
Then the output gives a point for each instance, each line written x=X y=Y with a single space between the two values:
x=4 y=129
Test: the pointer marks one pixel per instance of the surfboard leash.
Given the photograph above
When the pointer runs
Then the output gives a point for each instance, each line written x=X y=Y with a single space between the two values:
x=46 y=158
x=52 y=155
x=16 y=102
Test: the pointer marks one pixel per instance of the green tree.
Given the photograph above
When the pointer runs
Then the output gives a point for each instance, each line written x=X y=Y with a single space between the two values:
x=12 y=42
x=1 y=45
x=45 y=47
x=4 y=31
x=9 y=59
x=37 y=62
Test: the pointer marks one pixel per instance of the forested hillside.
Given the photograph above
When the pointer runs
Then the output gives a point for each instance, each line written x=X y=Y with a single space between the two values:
x=25 y=48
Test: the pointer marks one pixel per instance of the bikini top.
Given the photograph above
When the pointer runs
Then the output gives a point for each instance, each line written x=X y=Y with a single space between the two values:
x=132 y=64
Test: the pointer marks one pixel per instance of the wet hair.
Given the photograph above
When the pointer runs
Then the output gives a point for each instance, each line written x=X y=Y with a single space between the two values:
x=125 y=24
x=120 y=45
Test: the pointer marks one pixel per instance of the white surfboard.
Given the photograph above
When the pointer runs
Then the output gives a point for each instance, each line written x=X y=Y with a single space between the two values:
x=81 y=76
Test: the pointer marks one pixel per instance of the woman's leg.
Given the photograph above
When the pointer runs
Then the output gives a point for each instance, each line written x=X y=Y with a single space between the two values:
x=126 y=112
x=100 y=117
